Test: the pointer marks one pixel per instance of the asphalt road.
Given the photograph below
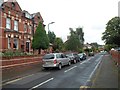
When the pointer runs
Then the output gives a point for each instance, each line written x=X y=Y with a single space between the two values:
x=74 y=76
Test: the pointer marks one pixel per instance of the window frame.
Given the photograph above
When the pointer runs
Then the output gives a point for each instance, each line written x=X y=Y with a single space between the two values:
x=25 y=28
x=16 y=25
x=8 y=23
x=9 y=43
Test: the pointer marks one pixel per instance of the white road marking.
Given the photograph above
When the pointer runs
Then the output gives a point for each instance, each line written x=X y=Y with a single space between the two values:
x=83 y=62
x=70 y=69
x=86 y=60
x=41 y=83
x=94 y=70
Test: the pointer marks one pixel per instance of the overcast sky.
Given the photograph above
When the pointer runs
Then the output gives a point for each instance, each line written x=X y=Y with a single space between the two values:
x=92 y=15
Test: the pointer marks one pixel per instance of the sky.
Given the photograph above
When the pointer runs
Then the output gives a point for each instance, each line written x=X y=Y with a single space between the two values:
x=92 y=15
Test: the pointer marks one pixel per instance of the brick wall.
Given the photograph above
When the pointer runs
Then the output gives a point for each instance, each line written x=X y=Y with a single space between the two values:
x=19 y=61
x=116 y=56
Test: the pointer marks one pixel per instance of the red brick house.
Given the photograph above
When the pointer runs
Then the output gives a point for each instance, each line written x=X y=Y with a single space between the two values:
x=17 y=26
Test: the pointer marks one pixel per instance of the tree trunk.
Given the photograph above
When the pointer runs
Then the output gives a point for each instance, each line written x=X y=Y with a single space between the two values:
x=39 y=51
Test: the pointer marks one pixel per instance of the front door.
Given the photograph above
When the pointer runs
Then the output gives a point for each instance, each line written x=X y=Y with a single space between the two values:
x=27 y=46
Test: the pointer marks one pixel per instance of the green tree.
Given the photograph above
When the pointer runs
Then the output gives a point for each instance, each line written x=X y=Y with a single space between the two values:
x=40 y=39
x=94 y=47
x=80 y=34
x=51 y=36
x=58 y=44
x=73 y=43
x=112 y=32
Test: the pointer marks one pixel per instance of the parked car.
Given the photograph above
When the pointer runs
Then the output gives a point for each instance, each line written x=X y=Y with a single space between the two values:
x=82 y=56
x=55 y=60
x=91 y=53
x=73 y=57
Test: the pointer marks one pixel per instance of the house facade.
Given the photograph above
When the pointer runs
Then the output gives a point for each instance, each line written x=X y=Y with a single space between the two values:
x=17 y=27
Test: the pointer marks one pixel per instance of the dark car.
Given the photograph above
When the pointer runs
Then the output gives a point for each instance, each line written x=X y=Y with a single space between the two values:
x=82 y=56
x=91 y=53
x=73 y=57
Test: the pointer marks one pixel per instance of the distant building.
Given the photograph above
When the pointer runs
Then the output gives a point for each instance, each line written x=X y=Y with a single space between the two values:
x=17 y=26
x=87 y=46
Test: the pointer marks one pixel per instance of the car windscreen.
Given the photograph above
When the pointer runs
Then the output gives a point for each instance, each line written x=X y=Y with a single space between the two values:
x=80 y=54
x=49 y=56
x=69 y=54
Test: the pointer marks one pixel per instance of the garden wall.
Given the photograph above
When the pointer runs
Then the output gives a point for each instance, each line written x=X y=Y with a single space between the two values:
x=19 y=61
x=116 y=56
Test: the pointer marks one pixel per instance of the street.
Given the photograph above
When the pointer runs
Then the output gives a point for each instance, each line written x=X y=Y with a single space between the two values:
x=74 y=76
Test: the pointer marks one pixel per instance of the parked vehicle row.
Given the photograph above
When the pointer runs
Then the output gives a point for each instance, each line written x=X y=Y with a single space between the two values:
x=60 y=59
x=73 y=57
x=82 y=56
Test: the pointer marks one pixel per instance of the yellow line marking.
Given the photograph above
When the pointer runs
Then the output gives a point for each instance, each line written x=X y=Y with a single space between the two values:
x=84 y=86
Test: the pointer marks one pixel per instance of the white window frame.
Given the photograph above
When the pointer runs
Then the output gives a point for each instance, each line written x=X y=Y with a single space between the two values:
x=8 y=23
x=25 y=28
x=9 y=43
x=30 y=29
x=16 y=25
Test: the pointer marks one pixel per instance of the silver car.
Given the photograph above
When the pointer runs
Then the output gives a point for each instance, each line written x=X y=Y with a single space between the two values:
x=55 y=60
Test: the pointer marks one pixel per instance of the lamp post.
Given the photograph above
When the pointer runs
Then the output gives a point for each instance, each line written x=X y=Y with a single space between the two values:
x=49 y=24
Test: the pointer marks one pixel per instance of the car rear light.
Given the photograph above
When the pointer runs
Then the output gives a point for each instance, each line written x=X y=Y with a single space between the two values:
x=55 y=61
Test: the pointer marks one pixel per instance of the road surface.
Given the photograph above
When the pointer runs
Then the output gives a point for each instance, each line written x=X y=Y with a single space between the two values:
x=75 y=76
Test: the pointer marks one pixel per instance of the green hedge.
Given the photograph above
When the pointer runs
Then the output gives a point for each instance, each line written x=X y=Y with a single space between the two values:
x=16 y=53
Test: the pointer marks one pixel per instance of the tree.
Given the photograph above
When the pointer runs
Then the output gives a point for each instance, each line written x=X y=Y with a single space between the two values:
x=73 y=43
x=94 y=47
x=58 y=44
x=51 y=36
x=80 y=33
x=112 y=32
x=40 y=39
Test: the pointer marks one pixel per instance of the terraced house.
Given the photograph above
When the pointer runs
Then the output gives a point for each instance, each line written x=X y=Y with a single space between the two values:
x=17 y=26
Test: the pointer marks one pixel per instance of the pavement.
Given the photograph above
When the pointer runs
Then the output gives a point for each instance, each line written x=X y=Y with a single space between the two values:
x=107 y=75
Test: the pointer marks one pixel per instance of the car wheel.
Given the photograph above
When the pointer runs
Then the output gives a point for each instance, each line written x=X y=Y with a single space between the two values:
x=69 y=63
x=75 y=61
x=59 y=66
x=46 y=68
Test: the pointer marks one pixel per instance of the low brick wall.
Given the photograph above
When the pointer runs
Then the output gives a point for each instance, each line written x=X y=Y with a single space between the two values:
x=17 y=61
x=115 y=56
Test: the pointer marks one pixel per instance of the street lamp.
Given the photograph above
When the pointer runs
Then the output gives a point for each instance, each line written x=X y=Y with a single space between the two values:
x=49 y=24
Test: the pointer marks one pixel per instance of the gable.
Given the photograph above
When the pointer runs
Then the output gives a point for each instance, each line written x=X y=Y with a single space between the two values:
x=12 y=4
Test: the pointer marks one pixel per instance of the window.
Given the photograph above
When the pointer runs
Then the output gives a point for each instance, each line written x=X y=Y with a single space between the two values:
x=8 y=24
x=16 y=25
x=48 y=56
x=27 y=15
x=13 y=4
x=62 y=56
x=15 y=43
x=25 y=28
x=58 y=56
x=30 y=28
x=9 y=43
x=9 y=12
